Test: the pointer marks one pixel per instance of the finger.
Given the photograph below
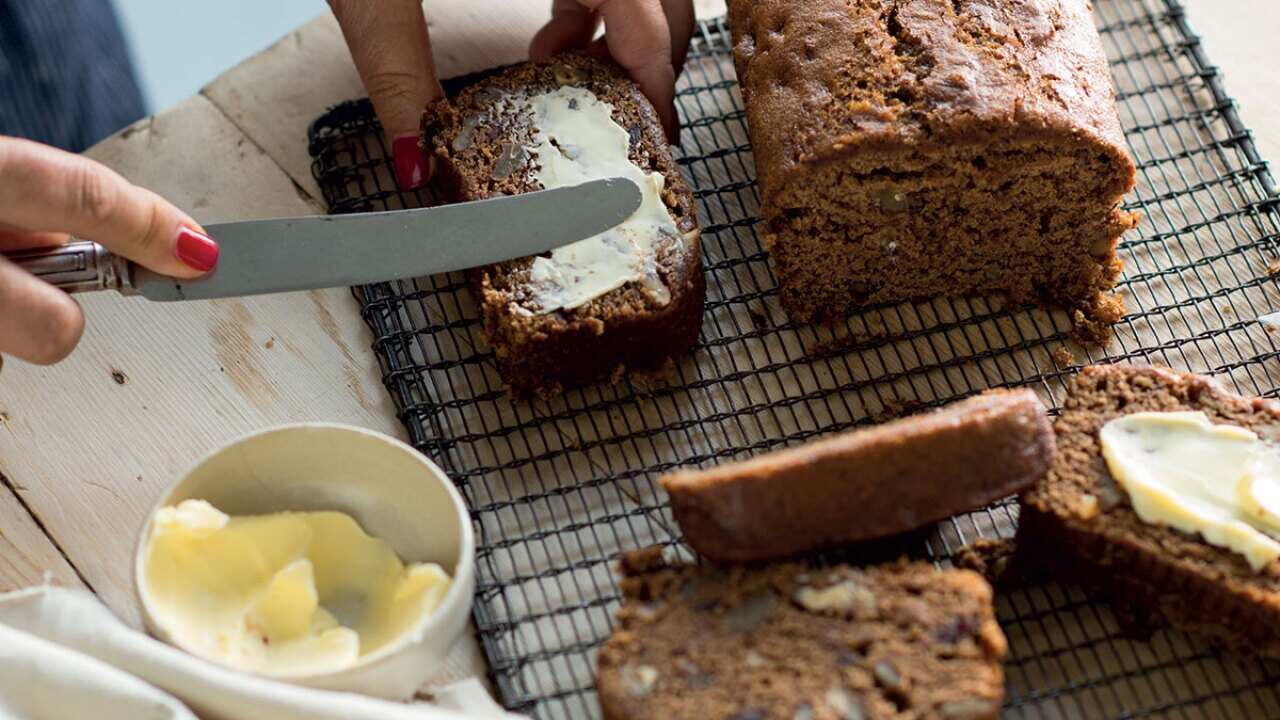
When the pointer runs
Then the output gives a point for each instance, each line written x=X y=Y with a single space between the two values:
x=571 y=27
x=44 y=189
x=38 y=322
x=22 y=240
x=391 y=48
x=639 y=40
x=680 y=21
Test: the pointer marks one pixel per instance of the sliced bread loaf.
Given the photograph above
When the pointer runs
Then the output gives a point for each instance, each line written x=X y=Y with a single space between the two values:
x=1081 y=523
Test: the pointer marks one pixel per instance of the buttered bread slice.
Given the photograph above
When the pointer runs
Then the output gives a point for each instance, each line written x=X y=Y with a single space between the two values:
x=1165 y=494
x=628 y=299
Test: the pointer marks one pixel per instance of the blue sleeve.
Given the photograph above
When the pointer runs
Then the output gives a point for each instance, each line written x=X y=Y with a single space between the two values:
x=65 y=75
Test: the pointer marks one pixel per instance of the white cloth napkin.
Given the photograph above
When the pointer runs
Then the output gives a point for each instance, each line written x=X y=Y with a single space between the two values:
x=63 y=654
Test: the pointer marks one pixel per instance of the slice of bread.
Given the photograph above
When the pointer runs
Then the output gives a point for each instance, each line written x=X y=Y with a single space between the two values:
x=486 y=137
x=1081 y=523
x=788 y=641
x=865 y=484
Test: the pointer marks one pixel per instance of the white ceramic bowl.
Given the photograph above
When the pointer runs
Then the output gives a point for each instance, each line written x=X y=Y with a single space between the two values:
x=395 y=494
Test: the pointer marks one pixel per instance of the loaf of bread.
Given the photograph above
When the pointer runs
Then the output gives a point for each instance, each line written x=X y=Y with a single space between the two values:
x=914 y=148
x=786 y=641
x=867 y=483
x=629 y=299
x=1080 y=524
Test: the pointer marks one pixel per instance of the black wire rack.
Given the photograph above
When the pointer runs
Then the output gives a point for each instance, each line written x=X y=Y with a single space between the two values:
x=557 y=489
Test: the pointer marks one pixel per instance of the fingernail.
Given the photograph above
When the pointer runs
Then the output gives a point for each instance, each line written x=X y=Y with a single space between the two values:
x=412 y=164
x=196 y=249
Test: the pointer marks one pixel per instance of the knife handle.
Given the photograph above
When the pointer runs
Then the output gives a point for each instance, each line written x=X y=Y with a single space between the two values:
x=77 y=266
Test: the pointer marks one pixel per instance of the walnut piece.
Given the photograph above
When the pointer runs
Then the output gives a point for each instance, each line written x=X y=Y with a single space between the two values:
x=843 y=704
x=846 y=596
x=891 y=201
x=638 y=680
x=968 y=709
x=569 y=75
x=888 y=676
x=1087 y=508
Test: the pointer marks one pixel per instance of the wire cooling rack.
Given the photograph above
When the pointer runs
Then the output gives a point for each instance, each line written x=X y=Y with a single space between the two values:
x=558 y=488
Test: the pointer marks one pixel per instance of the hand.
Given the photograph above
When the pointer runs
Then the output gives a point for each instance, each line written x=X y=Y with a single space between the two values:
x=648 y=38
x=46 y=194
x=392 y=51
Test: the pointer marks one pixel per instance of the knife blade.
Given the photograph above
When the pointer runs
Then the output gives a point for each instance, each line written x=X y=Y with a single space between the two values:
x=303 y=253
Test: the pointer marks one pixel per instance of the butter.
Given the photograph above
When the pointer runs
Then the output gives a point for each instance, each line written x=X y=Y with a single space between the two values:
x=575 y=140
x=1219 y=481
x=294 y=593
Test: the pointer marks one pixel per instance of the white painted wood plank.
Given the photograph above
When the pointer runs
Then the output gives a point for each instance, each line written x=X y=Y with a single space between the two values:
x=27 y=557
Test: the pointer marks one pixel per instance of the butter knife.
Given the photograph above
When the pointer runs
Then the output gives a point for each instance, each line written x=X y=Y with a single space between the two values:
x=303 y=253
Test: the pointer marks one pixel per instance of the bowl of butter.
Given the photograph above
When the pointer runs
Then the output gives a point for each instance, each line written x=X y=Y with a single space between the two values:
x=318 y=554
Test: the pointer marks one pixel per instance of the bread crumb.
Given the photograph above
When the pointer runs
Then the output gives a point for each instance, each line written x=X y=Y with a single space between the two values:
x=1087 y=508
x=1062 y=357
x=895 y=408
x=841 y=344
x=989 y=557
x=1091 y=326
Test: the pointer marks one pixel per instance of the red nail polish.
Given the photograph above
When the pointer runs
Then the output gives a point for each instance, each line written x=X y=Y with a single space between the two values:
x=412 y=164
x=196 y=249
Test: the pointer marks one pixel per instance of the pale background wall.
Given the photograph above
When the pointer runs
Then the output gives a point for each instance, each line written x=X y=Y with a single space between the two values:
x=179 y=45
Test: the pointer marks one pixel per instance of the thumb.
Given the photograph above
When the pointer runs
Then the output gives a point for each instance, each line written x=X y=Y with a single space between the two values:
x=391 y=48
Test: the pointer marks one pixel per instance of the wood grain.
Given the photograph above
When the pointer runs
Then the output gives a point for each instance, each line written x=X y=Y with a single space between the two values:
x=27 y=556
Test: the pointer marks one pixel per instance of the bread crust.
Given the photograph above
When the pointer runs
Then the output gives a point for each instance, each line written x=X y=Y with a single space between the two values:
x=865 y=484
x=824 y=82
